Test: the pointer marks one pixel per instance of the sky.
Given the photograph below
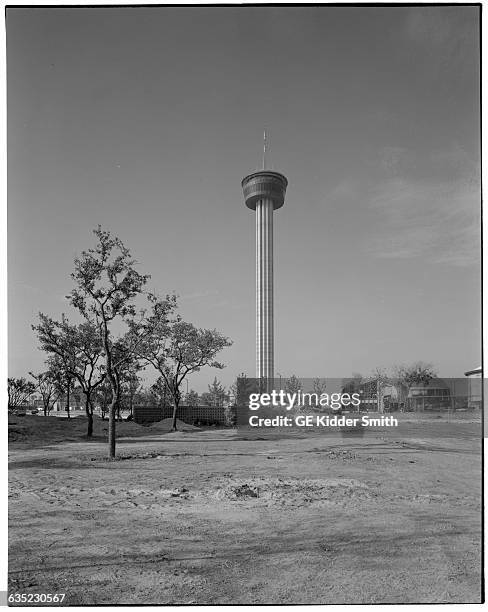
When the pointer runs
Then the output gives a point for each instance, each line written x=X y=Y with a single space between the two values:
x=145 y=120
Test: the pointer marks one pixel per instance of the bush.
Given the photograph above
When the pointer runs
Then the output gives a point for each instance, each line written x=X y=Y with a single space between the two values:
x=230 y=416
x=207 y=423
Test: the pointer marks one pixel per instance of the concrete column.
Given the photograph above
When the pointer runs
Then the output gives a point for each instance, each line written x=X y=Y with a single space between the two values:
x=264 y=290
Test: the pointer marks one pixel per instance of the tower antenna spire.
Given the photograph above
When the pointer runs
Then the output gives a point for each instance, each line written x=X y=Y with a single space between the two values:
x=264 y=149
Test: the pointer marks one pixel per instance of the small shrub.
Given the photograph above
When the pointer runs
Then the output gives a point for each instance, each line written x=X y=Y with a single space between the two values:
x=230 y=416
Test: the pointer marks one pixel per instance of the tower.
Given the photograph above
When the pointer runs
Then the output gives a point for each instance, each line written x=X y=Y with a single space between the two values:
x=264 y=192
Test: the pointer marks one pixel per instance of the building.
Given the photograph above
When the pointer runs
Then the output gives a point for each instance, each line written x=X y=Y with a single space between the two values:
x=434 y=394
x=264 y=192
x=368 y=392
x=475 y=387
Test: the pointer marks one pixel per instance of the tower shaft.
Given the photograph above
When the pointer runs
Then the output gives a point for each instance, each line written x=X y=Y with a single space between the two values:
x=264 y=290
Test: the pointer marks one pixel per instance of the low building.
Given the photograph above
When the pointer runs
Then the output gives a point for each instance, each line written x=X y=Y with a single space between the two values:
x=368 y=392
x=475 y=387
x=434 y=394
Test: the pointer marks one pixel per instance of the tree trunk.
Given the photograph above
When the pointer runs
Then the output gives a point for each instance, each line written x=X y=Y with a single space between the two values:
x=174 y=427
x=113 y=387
x=89 y=414
x=67 y=397
x=111 y=430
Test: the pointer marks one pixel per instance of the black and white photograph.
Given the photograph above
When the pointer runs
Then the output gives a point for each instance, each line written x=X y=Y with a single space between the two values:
x=243 y=304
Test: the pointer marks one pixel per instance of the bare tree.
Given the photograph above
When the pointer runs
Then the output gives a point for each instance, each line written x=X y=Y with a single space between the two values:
x=381 y=379
x=19 y=391
x=293 y=384
x=417 y=373
x=319 y=386
x=63 y=379
x=45 y=383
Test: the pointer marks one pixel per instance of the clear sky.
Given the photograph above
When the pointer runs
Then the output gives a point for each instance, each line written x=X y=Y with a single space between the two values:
x=145 y=120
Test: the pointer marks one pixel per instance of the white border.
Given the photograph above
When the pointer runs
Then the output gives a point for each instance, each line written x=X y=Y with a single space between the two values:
x=3 y=293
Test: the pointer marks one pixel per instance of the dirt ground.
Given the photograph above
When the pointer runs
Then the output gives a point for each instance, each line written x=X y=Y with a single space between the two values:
x=219 y=516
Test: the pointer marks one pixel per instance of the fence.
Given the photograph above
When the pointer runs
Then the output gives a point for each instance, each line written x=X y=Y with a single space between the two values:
x=434 y=403
x=422 y=403
x=206 y=415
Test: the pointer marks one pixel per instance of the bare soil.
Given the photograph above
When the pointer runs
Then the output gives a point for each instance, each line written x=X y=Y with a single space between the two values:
x=219 y=516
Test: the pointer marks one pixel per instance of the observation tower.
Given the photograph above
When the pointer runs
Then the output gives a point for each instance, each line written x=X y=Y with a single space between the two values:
x=264 y=192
